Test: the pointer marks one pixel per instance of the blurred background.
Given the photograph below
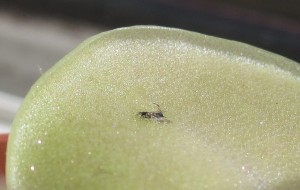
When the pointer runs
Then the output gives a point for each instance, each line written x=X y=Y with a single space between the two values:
x=35 y=34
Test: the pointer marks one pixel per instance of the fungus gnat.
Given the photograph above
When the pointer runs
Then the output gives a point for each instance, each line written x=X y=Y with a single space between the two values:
x=156 y=116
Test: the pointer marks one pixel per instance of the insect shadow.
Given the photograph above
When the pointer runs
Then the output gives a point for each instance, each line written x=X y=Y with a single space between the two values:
x=157 y=116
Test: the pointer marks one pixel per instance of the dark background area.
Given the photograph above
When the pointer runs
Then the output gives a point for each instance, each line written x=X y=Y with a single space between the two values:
x=35 y=34
x=270 y=24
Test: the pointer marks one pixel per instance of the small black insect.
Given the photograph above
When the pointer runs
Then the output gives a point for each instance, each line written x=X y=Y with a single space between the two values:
x=157 y=116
